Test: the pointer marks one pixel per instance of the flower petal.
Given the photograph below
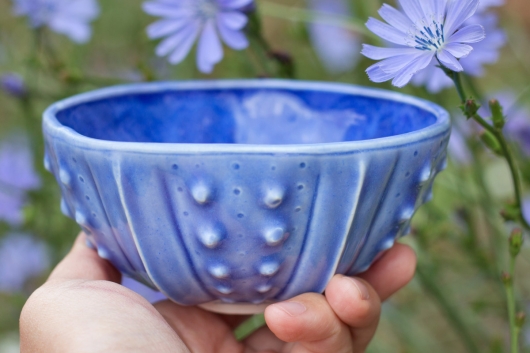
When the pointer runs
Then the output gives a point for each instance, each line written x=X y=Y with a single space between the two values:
x=79 y=32
x=413 y=10
x=398 y=63
x=234 y=4
x=378 y=53
x=395 y=18
x=468 y=34
x=209 y=48
x=171 y=42
x=166 y=10
x=458 y=50
x=234 y=39
x=405 y=75
x=449 y=60
x=458 y=11
x=377 y=75
x=386 y=32
x=183 y=47
x=233 y=19
x=163 y=28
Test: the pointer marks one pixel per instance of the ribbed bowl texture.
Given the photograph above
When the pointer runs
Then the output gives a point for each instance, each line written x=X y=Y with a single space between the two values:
x=247 y=191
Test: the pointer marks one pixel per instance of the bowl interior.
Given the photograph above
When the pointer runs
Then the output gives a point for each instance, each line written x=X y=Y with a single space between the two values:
x=243 y=116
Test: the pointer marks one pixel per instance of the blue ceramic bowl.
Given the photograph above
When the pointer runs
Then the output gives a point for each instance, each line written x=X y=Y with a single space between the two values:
x=249 y=192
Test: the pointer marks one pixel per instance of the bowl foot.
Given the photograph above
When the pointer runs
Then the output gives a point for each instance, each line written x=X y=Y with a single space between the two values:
x=236 y=308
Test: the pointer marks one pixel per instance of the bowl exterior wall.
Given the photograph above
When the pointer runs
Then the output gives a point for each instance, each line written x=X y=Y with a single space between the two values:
x=243 y=227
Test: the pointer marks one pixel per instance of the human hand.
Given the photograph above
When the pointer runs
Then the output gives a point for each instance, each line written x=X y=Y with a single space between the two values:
x=83 y=308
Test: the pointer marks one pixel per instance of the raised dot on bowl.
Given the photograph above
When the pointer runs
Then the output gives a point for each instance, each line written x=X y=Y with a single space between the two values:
x=274 y=236
x=224 y=289
x=269 y=268
x=263 y=288
x=175 y=167
x=235 y=166
x=237 y=191
x=302 y=165
x=211 y=238
x=64 y=177
x=273 y=197
x=219 y=271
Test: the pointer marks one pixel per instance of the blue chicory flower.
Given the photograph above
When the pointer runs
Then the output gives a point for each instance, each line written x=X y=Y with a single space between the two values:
x=337 y=47
x=17 y=176
x=69 y=17
x=484 y=52
x=22 y=257
x=424 y=31
x=185 y=20
x=149 y=294
x=14 y=85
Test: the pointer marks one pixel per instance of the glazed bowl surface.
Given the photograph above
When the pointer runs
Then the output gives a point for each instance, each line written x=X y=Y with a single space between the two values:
x=235 y=194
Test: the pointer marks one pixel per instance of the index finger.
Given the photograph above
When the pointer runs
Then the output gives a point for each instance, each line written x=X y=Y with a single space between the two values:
x=84 y=263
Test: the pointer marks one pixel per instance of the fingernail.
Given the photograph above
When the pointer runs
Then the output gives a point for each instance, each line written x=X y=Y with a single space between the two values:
x=291 y=308
x=364 y=293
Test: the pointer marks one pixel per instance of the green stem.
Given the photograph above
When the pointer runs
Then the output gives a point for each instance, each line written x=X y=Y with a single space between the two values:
x=510 y=296
x=309 y=16
x=506 y=151
x=249 y=327
x=457 y=323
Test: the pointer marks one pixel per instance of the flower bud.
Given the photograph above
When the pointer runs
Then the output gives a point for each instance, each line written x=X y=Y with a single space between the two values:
x=491 y=142
x=506 y=278
x=497 y=114
x=470 y=108
x=516 y=242
x=511 y=213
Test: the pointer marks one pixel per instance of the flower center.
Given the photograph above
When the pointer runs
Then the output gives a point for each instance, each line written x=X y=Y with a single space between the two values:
x=207 y=9
x=427 y=35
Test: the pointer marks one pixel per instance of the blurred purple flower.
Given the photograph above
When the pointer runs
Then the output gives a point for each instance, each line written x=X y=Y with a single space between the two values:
x=149 y=294
x=526 y=209
x=338 y=48
x=484 y=52
x=69 y=17
x=185 y=20
x=21 y=258
x=462 y=130
x=14 y=85
x=17 y=176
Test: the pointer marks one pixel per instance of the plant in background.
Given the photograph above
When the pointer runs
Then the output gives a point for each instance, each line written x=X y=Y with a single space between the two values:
x=69 y=17
x=341 y=54
x=186 y=20
x=443 y=30
x=22 y=257
x=17 y=177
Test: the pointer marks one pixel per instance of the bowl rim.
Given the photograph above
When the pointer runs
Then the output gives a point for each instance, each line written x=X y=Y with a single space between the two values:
x=53 y=128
